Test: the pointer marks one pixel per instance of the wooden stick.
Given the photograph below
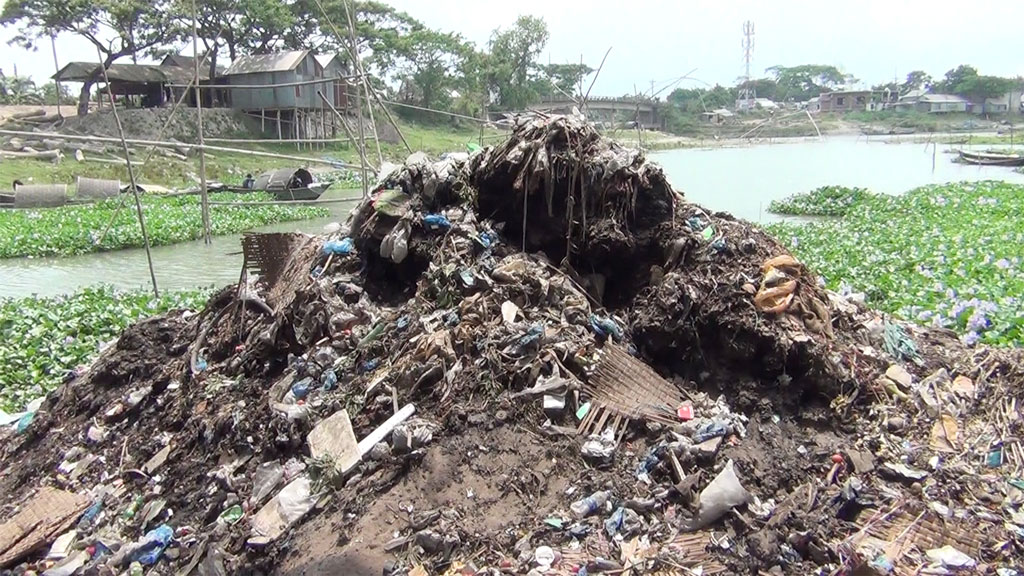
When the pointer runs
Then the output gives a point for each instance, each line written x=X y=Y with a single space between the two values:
x=180 y=145
x=287 y=202
x=366 y=87
x=324 y=80
x=376 y=97
x=348 y=131
x=204 y=197
x=131 y=178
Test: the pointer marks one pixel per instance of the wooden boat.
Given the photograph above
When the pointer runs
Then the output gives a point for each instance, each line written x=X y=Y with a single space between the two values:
x=991 y=158
x=291 y=184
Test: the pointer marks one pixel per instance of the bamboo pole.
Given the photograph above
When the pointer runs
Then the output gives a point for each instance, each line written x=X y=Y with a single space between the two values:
x=348 y=131
x=204 y=197
x=131 y=179
x=324 y=80
x=359 y=69
x=286 y=202
x=391 y=119
x=361 y=149
x=207 y=147
x=56 y=82
x=152 y=149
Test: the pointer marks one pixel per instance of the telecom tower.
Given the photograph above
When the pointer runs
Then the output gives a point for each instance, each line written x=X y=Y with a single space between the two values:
x=747 y=93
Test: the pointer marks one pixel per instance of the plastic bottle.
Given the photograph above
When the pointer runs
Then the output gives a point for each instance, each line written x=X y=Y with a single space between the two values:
x=587 y=506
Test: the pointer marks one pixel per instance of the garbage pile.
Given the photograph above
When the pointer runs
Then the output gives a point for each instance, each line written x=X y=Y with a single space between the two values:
x=539 y=359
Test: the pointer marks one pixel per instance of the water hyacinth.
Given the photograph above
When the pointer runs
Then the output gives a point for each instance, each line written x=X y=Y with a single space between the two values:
x=824 y=201
x=945 y=256
x=71 y=230
x=43 y=339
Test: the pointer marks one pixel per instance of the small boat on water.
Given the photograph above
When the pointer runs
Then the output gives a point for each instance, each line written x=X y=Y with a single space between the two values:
x=291 y=184
x=991 y=158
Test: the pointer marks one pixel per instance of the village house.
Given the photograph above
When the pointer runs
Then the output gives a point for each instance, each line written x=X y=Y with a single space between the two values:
x=853 y=100
x=282 y=90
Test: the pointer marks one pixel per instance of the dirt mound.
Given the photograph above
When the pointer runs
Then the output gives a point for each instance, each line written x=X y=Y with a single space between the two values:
x=510 y=334
x=146 y=124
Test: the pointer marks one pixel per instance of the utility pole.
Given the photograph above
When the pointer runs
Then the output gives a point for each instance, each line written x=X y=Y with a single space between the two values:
x=747 y=92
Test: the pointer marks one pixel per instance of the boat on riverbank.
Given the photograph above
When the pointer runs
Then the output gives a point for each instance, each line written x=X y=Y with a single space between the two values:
x=291 y=184
x=991 y=158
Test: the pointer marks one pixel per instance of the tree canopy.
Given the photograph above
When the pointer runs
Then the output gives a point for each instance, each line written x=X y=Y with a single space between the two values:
x=806 y=81
x=135 y=26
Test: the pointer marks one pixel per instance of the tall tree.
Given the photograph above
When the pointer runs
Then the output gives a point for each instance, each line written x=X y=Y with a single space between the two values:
x=956 y=77
x=916 y=80
x=434 y=59
x=131 y=26
x=513 y=61
x=565 y=79
x=807 y=80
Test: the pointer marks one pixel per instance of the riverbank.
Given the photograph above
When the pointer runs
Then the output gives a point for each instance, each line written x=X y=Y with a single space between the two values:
x=44 y=340
x=231 y=167
x=79 y=229
x=947 y=256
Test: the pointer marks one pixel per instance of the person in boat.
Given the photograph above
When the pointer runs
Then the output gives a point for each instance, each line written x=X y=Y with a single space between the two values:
x=248 y=183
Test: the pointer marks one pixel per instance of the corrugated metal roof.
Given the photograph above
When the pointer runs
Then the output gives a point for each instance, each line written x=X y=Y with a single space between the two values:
x=943 y=98
x=140 y=73
x=276 y=62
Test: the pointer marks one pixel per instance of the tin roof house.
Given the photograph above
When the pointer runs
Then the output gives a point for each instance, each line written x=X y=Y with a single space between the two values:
x=282 y=90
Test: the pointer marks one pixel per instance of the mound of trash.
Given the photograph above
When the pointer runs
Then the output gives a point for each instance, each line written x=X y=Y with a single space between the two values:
x=538 y=359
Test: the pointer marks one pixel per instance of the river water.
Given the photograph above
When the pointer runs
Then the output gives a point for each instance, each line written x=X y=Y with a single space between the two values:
x=740 y=180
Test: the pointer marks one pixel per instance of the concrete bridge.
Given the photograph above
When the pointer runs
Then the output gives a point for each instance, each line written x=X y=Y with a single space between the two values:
x=608 y=111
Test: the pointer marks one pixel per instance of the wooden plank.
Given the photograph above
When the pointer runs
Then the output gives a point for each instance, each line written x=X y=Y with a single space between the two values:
x=49 y=513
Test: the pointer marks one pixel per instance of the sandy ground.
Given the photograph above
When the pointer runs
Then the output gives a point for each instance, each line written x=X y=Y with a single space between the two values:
x=8 y=111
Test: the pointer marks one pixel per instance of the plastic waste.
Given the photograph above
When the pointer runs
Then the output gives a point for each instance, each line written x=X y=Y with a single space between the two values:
x=586 y=506
x=91 y=513
x=604 y=327
x=340 y=247
x=950 y=557
x=710 y=429
x=623 y=520
x=301 y=388
x=135 y=569
x=24 y=422
x=544 y=556
x=370 y=365
x=723 y=494
x=329 y=379
x=268 y=475
x=232 y=515
x=153 y=545
x=436 y=222
x=600 y=446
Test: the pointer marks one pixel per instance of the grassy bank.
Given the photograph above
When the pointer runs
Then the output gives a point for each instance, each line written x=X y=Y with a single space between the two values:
x=43 y=339
x=71 y=230
x=950 y=255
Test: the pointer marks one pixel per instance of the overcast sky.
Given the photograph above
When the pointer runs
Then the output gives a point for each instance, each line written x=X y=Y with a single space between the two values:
x=662 y=40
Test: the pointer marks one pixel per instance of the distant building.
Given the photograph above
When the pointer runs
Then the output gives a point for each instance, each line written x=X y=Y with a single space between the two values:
x=144 y=85
x=765 y=104
x=1010 y=103
x=941 y=103
x=719 y=116
x=854 y=100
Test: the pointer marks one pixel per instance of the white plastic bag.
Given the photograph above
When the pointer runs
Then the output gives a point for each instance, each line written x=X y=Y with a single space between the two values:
x=723 y=494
